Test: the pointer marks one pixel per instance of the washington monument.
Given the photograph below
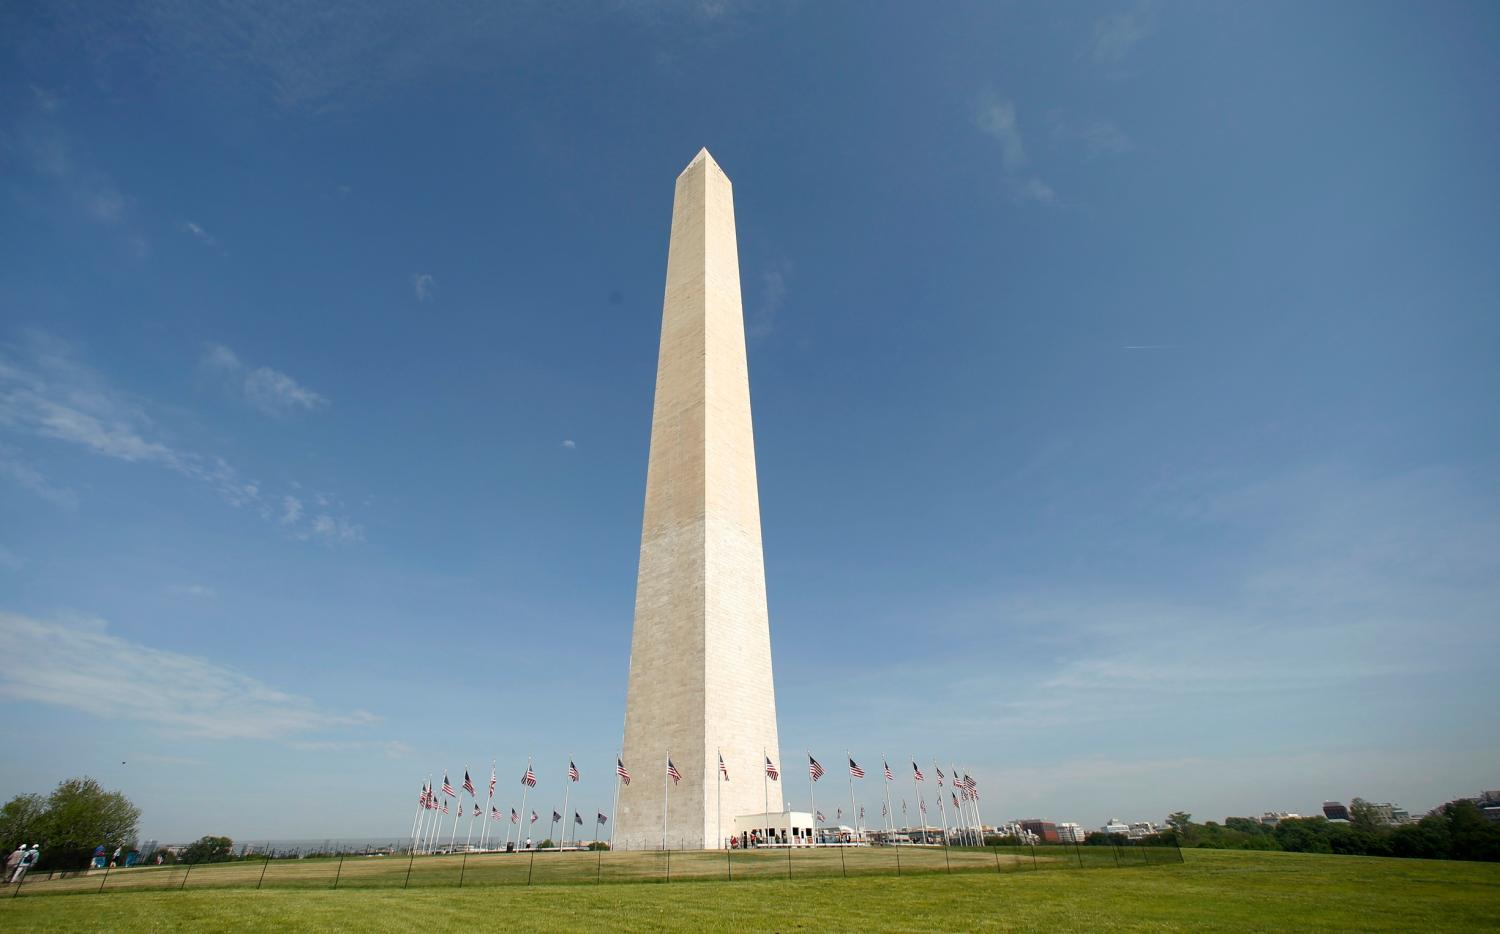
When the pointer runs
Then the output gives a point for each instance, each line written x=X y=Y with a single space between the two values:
x=700 y=654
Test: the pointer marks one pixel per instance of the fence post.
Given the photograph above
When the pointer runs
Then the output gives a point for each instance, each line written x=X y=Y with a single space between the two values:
x=845 y=869
x=183 y=884
x=1117 y=855
x=669 y=864
x=996 y=851
x=412 y=859
x=599 y=878
x=461 y=867
x=530 y=866
x=106 y=879
x=897 y=847
x=1079 y=853
x=340 y=871
x=789 y=856
x=729 y=861
x=264 y=865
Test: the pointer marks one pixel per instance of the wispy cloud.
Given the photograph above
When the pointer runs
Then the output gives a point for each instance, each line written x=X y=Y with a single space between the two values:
x=393 y=748
x=423 y=285
x=206 y=238
x=333 y=530
x=773 y=295
x=291 y=510
x=996 y=117
x=28 y=477
x=75 y=662
x=1114 y=36
x=569 y=443
x=197 y=591
x=1098 y=138
x=270 y=391
x=47 y=392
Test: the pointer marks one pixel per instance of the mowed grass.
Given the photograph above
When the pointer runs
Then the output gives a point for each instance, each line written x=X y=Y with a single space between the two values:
x=1211 y=891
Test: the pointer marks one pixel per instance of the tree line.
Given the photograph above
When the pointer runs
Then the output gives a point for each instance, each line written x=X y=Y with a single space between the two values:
x=68 y=824
x=1457 y=830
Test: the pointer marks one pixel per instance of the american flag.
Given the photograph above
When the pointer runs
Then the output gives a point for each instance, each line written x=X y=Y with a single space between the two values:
x=772 y=771
x=821 y=817
x=601 y=819
x=903 y=807
x=722 y=770
x=672 y=772
x=855 y=770
x=447 y=788
x=534 y=818
x=572 y=771
x=954 y=797
x=556 y=817
x=578 y=818
x=916 y=772
x=530 y=777
x=514 y=817
x=621 y=771
x=476 y=809
x=884 y=811
x=445 y=807
x=814 y=768
x=861 y=812
x=939 y=775
x=839 y=815
x=495 y=814
x=422 y=798
x=492 y=781
x=469 y=784
x=923 y=805
x=888 y=776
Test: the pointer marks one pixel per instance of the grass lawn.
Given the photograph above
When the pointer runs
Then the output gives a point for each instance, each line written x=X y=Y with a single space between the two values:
x=1212 y=891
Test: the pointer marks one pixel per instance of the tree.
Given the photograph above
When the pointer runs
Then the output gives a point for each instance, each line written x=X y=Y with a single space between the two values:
x=209 y=850
x=1180 y=821
x=21 y=820
x=80 y=816
x=1364 y=817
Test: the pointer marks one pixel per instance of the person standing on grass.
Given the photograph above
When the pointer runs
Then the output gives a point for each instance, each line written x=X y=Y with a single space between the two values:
x=13 y=863
x=27 y=861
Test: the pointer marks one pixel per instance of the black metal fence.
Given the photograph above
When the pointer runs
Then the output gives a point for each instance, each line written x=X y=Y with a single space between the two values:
x=599 y=867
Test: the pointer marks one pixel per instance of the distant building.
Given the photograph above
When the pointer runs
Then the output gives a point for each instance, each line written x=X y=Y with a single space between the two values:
x=1333 y=810
x=1142 y=829
x=1115 y=827
x=1070 y=833
x=1044 y=830
x=1272 y=818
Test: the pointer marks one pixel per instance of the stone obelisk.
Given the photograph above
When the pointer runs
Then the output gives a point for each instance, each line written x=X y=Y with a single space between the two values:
x=700 y=654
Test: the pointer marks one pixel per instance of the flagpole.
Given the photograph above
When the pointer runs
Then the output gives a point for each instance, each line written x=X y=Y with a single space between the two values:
x=812 y=792
x=417 y=816
x=853 y=808
x=942 y=808
x=765 y=787
x=666 y=797
x=458 y=801
x=969 y=810
x=890 y=815
x=974 y=798
x=469 y=837
x=719 y=801
x=527 y=791
x=489 y=805
x=614 y=810
x=567 y=790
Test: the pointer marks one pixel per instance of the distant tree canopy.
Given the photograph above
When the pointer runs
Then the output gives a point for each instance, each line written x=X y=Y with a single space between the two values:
x=68 y=824
x=209 y=850
x=1457 y=830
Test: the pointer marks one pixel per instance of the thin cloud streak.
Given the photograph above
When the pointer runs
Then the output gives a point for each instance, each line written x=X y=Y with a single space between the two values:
x=75 y=663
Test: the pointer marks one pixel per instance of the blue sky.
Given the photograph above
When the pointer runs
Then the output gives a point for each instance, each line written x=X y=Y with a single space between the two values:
x=1124 y=381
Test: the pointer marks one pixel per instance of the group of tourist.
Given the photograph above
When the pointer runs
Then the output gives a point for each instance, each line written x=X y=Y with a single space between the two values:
x=17 y=863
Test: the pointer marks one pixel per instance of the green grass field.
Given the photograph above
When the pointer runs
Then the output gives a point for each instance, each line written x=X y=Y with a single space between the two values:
x=1211 y=891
